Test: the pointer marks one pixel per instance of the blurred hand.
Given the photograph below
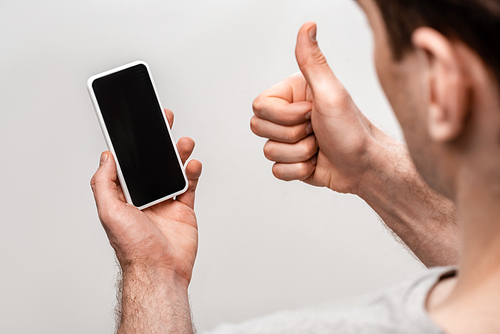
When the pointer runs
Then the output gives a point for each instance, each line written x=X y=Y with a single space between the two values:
x=163 y=237
x=316 y=132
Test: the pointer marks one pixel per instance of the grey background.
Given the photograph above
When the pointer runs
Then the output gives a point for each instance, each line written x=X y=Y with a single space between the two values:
x=265 y=245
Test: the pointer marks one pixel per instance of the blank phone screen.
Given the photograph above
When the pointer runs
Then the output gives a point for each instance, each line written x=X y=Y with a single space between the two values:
x=139 y=134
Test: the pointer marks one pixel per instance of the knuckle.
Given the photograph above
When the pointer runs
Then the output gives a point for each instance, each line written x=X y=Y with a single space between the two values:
x=308 y=147
x=257 y=105
x=254 y=124
x=277 y=172
x=287 y=119
x=319 y=58
x=315 y=58
x=268 y=150
x=289 y=136
x=303 y=170
x=293 y=135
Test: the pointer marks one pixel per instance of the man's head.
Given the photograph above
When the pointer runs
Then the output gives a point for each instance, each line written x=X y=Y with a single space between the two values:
x=475 y=22
x=439 y=64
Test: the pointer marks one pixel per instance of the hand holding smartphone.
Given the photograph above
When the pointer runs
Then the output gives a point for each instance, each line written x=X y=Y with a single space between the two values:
x=136 y=131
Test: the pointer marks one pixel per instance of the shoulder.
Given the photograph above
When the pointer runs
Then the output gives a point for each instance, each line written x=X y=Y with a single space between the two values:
x=398 y=309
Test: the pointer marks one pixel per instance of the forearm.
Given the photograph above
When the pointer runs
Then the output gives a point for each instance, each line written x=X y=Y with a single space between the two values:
x=424 y=220
x=152 y=302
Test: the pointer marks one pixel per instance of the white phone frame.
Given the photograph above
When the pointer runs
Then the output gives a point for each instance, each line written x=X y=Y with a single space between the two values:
x=110 y=144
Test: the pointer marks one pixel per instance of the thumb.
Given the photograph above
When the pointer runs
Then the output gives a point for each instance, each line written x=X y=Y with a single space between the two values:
x=312 y=62
x=104 y=181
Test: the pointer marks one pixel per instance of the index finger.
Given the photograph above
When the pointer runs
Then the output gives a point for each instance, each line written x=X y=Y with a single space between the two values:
x=284 y=103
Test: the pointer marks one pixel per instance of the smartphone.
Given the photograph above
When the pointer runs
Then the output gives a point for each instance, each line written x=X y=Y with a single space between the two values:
x=136 y=131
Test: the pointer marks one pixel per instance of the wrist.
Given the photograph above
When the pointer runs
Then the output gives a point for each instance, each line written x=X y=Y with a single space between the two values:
x=388 y=163
x=154 y=276
x=153 y=300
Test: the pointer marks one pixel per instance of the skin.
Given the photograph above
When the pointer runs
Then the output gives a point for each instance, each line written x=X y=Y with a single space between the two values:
x=318 y=135
x=156 y=249
x=447 y=102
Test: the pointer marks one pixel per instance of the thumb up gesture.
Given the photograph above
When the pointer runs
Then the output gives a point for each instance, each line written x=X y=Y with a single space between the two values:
x=316 y=133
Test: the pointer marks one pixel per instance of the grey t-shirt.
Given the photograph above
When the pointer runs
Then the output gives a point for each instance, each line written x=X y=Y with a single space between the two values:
x=396 y=310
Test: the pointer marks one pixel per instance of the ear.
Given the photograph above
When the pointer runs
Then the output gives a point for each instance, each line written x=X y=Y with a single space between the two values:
x=447 y=83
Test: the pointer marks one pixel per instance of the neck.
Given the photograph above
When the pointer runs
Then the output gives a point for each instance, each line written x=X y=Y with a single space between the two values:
x=470 y=302
x=478 y=207
x=477 y=194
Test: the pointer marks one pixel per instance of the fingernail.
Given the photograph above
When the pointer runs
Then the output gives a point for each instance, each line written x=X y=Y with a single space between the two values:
x=312 y=33
x=308 y=115
x=104 y=158
x=309 y=128
x=314 y=160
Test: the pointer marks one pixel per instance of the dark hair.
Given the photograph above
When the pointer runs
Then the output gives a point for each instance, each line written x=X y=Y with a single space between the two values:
x=475 y=22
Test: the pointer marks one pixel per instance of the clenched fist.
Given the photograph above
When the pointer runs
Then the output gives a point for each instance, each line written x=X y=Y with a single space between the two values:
x=316 y=133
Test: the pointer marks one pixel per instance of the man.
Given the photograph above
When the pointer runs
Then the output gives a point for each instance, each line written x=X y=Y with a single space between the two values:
x=438 y=63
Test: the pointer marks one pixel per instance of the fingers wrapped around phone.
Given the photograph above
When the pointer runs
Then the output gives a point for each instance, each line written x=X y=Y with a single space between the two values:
x=185 y=147
x=193 y=172
x=170 y=116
